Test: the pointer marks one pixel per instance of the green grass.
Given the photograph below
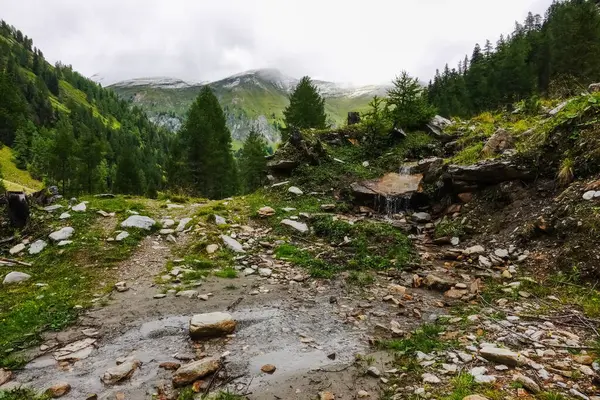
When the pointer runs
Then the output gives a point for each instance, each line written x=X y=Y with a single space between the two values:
x=71 y=274
x=14 y=178
x=425 y=339
x=317 y=268
x=228 y=273
x=449 y=228
x=462 y=385
x=360 y=278
x=469 y=155
x=22 y=394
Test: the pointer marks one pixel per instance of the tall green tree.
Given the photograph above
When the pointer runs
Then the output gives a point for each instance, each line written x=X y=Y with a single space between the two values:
x=22 y=144
x=252 y=161
x=206 y=141
x=409 y=108
x=62 y=159
x=306 y=109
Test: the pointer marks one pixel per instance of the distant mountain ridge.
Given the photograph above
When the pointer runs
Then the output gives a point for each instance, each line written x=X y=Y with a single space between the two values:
x=251 y=98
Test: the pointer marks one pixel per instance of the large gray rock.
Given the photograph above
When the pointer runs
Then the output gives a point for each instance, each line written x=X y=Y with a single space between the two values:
x=138 y=221
x=81 y=207
x=211 y=325
x=299 y=226
x=220 y=220
x=37 y=247
x=232 y=244
x=437 y=125
x=498 y=142
x=62 y=234
x=295 y=190
x=502 y=356
x=15 y=277
x=490 y=172
x=193 y=371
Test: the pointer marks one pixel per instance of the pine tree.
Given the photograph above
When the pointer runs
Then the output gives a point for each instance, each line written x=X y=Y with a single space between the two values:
x=206 y=141
x=409 y=108
x=62 y=159
x=253 y=162
x=306 y=109
x=22 y=144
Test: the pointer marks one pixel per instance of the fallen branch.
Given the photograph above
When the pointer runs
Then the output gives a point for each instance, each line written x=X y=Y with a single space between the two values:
x=234 y=304
x=8 y=260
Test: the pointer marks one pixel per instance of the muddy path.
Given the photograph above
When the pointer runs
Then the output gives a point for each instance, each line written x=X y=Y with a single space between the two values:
x=311 y=330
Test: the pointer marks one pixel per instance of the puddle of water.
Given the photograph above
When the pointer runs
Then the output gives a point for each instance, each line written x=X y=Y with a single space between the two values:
x=294 y=340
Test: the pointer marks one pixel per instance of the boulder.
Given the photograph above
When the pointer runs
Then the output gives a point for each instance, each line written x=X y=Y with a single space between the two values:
x=211 y=324
x=498 y=142
x=62 y=234
x=284 y=166
x=465 y=178
x=138 y=221
x=120 y=373
x=37 y=247
x=196 y=370
x=437 y=125
x=299 y=226
x=232 y=244
x=15 y=277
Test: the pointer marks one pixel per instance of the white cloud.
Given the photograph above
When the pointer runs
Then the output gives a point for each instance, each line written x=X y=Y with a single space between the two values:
x=342 y=40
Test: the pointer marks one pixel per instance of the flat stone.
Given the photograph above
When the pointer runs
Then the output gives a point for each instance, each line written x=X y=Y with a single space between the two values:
x=160 y=296
x=220 y=220
x=122 y=236
x=299 y=226
x=295 y=190
x=196 y=370
x=81 y=207
x=502 y=253
x=120 y=373
x=64 y=243
x=211 y=324
x=232 y=244
x=138 y=221
x=166 y=231
x=17 y=249
x=190 y=294
x=421 y=217
x=266 y=211
x=183 y=222
x=502 y=356
x=78 y=350
x=62 y=234
x=265 y=272
x=167 y=223
x=15 y=277
x=58 y=390
x=527 y=383
x=268 y=368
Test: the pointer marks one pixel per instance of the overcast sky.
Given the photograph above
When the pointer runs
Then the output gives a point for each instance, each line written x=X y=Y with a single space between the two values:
x=358 y=41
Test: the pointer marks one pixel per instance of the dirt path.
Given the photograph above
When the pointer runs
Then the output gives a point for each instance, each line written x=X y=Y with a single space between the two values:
x=310 y=330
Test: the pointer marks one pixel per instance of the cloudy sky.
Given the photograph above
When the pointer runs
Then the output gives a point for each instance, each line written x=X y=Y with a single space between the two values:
x=356 y=41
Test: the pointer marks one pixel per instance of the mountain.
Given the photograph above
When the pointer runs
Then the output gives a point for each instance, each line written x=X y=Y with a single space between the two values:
x=256 y=97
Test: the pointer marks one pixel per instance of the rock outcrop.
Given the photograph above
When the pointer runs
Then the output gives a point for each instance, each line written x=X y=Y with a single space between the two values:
x=392 y=188
x=466 y=178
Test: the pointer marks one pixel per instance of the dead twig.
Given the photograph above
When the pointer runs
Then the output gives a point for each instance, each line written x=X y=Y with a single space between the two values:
x=234 y=304
x=11 y=261
x=214 y=377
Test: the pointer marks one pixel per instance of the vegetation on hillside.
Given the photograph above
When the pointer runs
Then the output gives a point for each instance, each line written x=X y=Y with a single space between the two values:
x=306 y=109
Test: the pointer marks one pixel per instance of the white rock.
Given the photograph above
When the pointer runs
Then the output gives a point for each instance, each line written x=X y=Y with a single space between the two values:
x=17 y=249
x=81 y=207
x=15 y=277
x=430 y=378
x=295 y=190
x=212 y=248
x=232 y=244
x=122 y=236
x=265 y=272
x=249 y=271
x=64 y=243
x=166 y=231
x=62 y=234
x=365 y=164
x=182 y=224
x=299 y=226
x=138 y=221
x=589 y=195
x=502 y=253
x=37 y=247
x=220 y=220
x=474 y=250
x=190 y=294
x=65 y=215
x=167 y=223
x=53 y=208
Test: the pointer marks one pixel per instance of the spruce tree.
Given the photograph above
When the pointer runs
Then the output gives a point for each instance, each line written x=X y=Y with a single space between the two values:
x=409 y=108
x=253 y=162
x=22 y=144
x=62 y=159
x=306 y=109
x=206 y=141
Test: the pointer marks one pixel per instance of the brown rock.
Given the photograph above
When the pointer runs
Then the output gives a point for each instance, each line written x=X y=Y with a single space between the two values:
x=465 y=197
x=211 y=324
x=120 y=372
x=498 y=142
x=170 y=366
x=193 y=371
x=455 y=293
x=5 y=376
x=326 y=396
x=199 y=386
x=58 y=390
x=268 y=368
x=584 y=359
x=454 y=208
x=266 y=211
x=120 y=396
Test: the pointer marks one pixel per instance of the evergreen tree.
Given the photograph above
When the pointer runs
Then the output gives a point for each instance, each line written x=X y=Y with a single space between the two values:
x=22 y=144
x=409 y=108
x=61 y=156
x=206 y=140
x=253 y=162
x=306 y=109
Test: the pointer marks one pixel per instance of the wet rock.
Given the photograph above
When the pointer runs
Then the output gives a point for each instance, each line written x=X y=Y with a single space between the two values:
x=502 y=356
x=183 y=224
x=169 y=366
x=81 y=207
x=501 y=140
x=122 y=236
x=58 y=390
x=268 y=368
x=430 y=378
x=421 y=217
x=212 y=248
x=78 y=350
x=193 y=371
x=5 y=376
x=232 y=244
x=299 y=226
x=15 y=277
x=390 y=186
x=465 y=197
x=527 y=383
x=211 y=324
x=266 y=211
x=374 y=372
x=138 y=221
x=17 y=249
x=120 y=373
x=62 y=234
x=295 y=190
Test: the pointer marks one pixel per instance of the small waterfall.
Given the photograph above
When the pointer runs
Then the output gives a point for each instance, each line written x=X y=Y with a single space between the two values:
x=405 y=169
